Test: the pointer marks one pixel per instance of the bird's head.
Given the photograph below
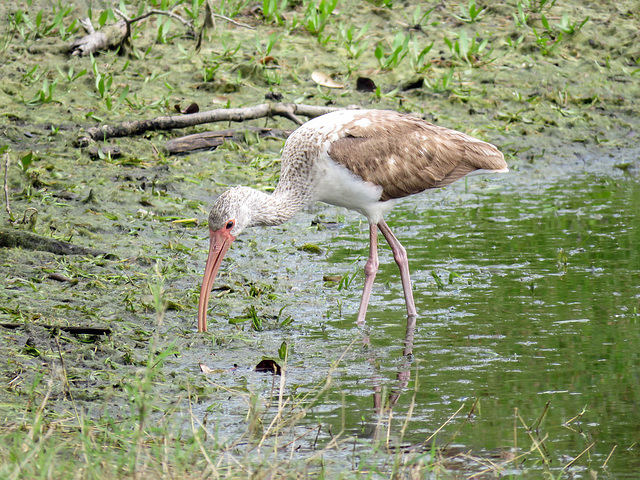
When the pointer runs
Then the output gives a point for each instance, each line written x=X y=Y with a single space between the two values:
x=235 y=205
x=231 y=213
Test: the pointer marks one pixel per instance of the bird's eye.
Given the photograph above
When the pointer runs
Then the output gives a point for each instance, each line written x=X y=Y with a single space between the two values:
x=230 y=225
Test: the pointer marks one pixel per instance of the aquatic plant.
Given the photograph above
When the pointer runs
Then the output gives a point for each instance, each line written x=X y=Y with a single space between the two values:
x=229 y=8
x=442 y=84
x=569 y=27
x=470 y=12
x=389 y=60
x=546 y=42
x=520 y=17
x=419 y=19
x=354 y=41
x=317 y=15
x=44 y=23
x=273 y=10
x=471 y=51
x=537 y=6
x=44 y=94
x=418 y=59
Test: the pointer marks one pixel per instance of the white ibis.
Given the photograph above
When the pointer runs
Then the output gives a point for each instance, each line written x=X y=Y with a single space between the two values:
x=364 y=160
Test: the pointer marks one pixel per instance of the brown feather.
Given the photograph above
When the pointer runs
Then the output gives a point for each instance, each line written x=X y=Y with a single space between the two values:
x=428 y=156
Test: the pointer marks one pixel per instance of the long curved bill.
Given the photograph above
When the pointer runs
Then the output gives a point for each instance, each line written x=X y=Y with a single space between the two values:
x=219 y=244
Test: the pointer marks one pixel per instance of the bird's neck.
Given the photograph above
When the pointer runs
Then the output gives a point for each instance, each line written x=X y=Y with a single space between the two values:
x=276 y=208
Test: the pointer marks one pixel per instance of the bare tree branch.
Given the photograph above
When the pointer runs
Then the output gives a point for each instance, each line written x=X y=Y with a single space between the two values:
x=231 y=20
x=187 y=23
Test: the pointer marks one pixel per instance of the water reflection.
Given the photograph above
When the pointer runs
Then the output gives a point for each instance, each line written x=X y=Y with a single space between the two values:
x=403 y=376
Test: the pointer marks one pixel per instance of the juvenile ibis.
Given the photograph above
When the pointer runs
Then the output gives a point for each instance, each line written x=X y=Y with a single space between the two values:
x=364 y=160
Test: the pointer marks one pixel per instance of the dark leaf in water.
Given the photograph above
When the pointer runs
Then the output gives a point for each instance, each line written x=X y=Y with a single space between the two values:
x=364 y=84
x=193 y=108
x=268 y=366
x=419 y=83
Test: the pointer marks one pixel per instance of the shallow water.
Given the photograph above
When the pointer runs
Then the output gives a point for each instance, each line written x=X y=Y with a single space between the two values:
x=538 y=302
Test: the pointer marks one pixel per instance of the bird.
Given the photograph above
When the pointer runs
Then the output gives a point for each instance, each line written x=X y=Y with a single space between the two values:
x=364 y=160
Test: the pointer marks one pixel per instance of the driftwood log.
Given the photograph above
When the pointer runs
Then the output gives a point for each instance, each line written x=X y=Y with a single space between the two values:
x=107 y=38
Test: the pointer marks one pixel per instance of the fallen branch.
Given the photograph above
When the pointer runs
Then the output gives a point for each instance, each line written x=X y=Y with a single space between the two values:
x=211 y=140
x=31 y=241
x=138 y=127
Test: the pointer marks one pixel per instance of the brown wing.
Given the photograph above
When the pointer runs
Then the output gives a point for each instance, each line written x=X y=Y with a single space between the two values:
x=406 y=155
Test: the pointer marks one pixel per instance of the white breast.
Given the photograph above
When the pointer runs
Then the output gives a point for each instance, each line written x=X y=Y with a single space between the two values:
x=336 y=185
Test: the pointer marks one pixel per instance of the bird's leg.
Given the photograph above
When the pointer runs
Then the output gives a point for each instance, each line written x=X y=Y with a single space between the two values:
x=370 y=270
x=400 y=256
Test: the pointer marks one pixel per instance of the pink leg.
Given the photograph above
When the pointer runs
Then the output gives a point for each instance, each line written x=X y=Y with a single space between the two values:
x=370 y=270
x=400 y=256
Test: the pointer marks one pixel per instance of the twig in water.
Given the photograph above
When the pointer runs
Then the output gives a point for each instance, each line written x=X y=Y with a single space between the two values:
x=544 y=412
x=315 y=442
x=473 y=407
x=443 y=425
x=501 y=466
x=302 y=435
x=231 y=20
x=609 y=456
x=535 y=442
x=584 y=410
x=187 y=23
x=576 y=459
